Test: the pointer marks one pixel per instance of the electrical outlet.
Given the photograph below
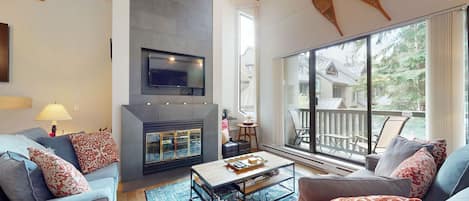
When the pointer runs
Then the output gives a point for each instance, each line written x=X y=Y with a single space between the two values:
x=76 y=107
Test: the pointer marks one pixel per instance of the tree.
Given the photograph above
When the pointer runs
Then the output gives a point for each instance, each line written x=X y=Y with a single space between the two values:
x=398 y=68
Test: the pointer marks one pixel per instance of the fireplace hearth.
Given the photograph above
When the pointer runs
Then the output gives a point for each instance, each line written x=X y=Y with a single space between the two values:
x=172 y=144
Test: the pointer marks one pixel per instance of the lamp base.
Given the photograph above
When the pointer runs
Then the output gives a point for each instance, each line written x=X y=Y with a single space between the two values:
x=54 y=129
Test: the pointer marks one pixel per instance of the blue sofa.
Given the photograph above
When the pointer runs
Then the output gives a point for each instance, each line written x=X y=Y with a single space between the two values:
x=103 y=182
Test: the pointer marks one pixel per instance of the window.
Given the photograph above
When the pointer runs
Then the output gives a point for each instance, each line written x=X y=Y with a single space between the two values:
x=332 y=70
x=336 y=92
x=358 y=84
x=247 y=65
x=304 y=89
x=296 y=93
x=398 y=77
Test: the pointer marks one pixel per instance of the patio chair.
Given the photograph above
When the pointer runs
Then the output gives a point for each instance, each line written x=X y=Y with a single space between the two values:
x=392 y=127
x=300 y=131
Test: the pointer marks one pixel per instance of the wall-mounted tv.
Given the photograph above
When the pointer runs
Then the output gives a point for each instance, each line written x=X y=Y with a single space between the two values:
x=4 y=53
x=175 y=70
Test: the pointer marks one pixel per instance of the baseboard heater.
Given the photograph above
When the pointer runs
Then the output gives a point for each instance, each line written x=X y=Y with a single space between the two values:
x=313 y=161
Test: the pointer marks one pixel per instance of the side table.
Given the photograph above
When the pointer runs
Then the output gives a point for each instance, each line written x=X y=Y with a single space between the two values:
x=248 y=131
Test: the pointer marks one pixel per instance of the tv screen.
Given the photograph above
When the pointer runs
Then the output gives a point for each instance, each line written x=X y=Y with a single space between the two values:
x=169 y=70
x=168 y=77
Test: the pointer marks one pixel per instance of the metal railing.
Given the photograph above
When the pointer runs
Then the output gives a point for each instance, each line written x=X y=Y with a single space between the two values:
x=341 y=129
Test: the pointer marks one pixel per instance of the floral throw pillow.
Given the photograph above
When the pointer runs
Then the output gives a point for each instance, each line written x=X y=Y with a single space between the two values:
x=61 y=177
x=439 y=150
x=377 y=198
x=420 y=168
x=94 y=151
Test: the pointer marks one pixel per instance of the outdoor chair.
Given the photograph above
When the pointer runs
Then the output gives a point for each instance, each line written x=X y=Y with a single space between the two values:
x=392 y=127
x=300 y=131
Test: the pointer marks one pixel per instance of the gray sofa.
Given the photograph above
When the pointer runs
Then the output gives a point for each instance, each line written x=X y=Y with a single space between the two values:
x=103 y=182
x=451 y=182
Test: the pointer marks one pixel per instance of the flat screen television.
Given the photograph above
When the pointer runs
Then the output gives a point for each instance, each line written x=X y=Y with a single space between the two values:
x=175 y=70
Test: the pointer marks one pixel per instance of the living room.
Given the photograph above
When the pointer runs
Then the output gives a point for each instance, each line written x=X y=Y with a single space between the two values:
x=214 y=100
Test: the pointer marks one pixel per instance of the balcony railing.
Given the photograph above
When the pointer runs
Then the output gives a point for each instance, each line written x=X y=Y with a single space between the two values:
x=337 y=130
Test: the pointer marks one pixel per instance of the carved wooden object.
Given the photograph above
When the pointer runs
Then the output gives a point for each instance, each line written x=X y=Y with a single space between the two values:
x=326 y=8
x=377 y=4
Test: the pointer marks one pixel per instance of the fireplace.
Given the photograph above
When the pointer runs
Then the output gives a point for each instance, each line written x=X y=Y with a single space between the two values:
x=172 y=144
x=179 y=135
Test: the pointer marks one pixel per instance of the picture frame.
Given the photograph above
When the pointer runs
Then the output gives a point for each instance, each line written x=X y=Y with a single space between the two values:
x=4 y=53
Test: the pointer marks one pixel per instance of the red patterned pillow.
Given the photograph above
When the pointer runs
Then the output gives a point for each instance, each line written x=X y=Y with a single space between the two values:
x=377 y=198
x=420 y=168
x=95 y=150
x=439 y=150
x=61 y=177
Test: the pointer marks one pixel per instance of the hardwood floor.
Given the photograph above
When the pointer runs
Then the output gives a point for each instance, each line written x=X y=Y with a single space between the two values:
x=139 y=194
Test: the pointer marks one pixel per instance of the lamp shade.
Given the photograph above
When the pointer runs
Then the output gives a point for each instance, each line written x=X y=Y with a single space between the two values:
x=54 y=112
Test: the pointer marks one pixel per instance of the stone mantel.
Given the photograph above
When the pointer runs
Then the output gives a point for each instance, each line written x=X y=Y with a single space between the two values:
x=170 y=112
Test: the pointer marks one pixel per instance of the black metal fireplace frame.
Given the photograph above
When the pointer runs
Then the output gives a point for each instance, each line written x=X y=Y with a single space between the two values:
x=166 y=126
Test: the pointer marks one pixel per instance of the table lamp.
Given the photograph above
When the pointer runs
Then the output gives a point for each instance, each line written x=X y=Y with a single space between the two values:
x=53 y=112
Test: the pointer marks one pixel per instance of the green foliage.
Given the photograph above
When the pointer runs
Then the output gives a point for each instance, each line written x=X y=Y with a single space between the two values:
x=398 y=68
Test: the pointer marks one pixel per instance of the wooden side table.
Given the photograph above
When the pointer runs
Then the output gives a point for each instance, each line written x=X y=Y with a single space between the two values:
x=248 y=131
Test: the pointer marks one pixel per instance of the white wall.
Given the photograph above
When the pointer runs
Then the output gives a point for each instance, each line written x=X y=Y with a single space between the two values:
x=217 y=61
x=229 y=61
x=291 y=26
x=120 y=62
x=59 y=52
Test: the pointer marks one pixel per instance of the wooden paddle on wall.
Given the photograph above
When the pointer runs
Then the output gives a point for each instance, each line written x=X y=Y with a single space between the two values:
x=377 y=4
x=326 y=8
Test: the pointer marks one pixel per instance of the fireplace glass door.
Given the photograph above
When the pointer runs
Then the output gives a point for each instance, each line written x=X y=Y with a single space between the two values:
x=171 y=145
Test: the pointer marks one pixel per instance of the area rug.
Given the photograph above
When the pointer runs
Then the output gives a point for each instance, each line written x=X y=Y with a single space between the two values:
x=179 y=191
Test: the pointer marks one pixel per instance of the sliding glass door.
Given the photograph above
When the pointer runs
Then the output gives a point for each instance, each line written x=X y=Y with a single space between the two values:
x=341 y=100
x=335 y=103
x=352 y=98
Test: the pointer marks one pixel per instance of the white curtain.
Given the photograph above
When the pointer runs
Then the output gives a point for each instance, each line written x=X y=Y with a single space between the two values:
x=445 y=78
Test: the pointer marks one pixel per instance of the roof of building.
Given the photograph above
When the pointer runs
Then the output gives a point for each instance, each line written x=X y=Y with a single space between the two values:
x=337 y=72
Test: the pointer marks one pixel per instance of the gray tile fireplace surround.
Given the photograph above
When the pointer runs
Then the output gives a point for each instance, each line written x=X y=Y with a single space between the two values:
x=135 y=116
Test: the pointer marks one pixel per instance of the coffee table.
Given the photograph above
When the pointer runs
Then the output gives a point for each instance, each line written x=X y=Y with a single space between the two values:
x=208 y=178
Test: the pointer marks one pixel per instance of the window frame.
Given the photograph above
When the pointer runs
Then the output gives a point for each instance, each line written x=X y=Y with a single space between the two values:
x=238 y=105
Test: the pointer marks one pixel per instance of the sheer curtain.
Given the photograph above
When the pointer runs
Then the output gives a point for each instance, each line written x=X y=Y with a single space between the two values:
x=445 y=78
